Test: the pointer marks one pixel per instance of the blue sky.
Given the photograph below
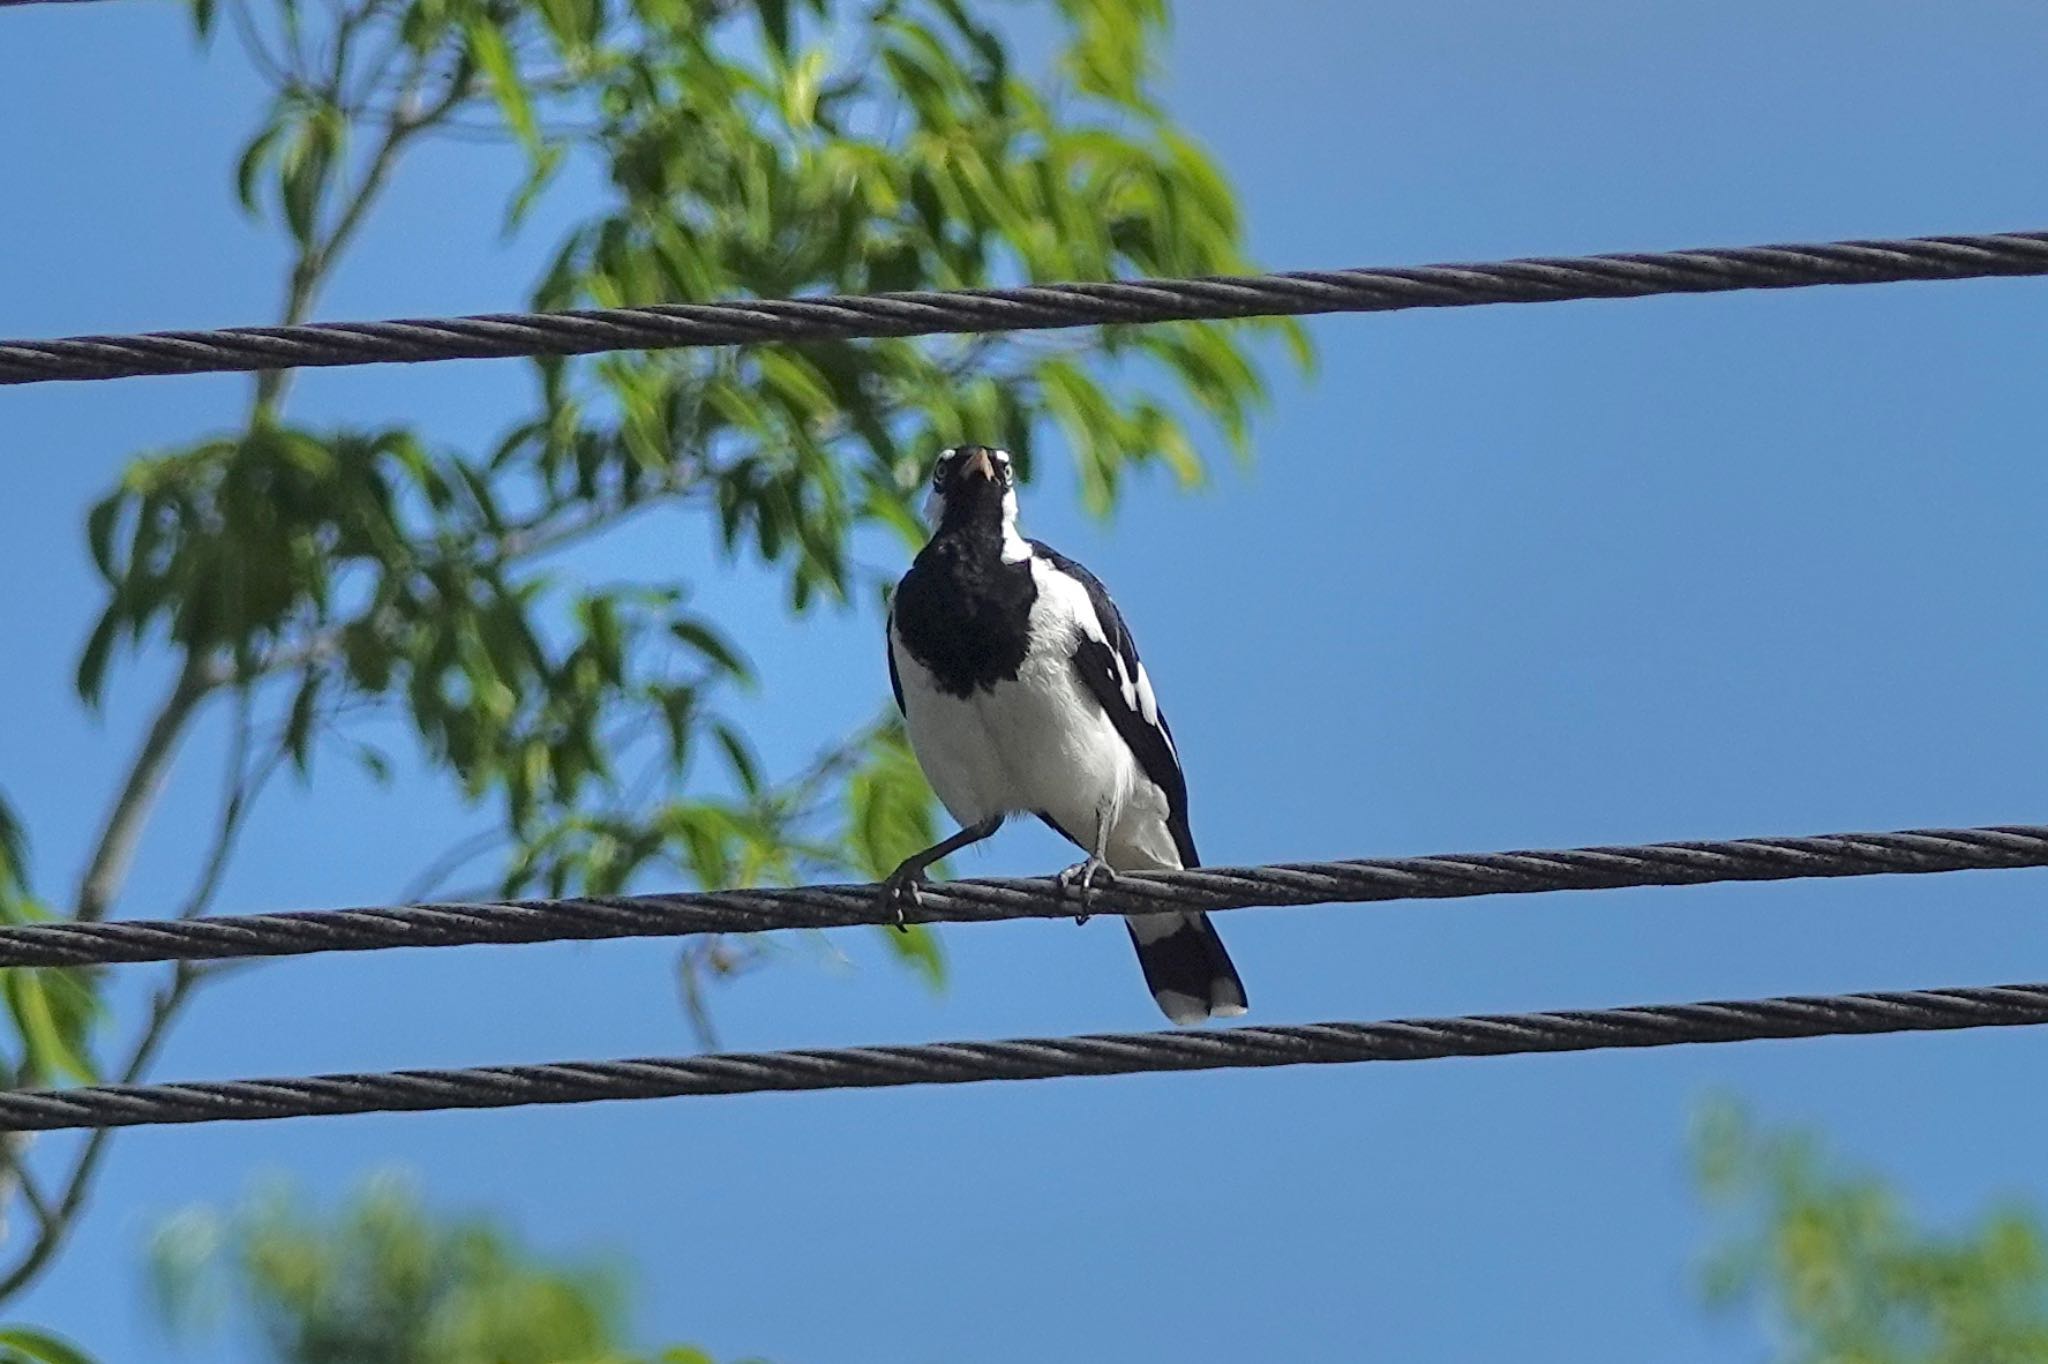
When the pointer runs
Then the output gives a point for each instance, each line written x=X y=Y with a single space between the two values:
x=1500 y=577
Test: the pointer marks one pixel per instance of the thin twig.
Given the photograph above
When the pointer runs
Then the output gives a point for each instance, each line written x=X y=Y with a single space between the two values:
x=107 y=868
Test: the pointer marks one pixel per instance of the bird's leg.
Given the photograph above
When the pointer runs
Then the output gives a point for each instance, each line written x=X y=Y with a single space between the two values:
x=1083 y=873
x=901 y=887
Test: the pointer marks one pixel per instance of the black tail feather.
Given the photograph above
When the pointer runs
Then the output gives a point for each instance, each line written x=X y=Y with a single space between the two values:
x=1186 y=967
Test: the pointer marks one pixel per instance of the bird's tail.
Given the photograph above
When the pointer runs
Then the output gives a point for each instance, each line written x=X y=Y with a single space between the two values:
x=1186 y=967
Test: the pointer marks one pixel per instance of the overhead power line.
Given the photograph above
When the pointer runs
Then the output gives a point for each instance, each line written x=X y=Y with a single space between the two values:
x=1365 y=880
x=931 y=312
x=1038 y=1058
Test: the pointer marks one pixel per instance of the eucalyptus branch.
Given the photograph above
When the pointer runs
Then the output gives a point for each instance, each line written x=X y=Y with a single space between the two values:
x=497 y=134
x=696 y=958
x=800 y=793
x=316 y=259
x=270 y=67
x=458 y=855
x=240 y=787
x=543 y=536
x=371 y=78
x=32 y=1192
x=107 y=868
x=302 y=63
x=346 y=23
x=397 y=133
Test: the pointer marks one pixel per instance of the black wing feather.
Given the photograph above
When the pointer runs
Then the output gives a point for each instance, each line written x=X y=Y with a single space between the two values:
x=1097 y=663
x=889 y=648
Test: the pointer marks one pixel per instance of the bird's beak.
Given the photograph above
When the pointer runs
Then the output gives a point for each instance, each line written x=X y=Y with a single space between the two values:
x=980 y=463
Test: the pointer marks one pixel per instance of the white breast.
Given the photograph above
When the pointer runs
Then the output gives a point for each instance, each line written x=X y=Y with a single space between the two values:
x=1039 y=743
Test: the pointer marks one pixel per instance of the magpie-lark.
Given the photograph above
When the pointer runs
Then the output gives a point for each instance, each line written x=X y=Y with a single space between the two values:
x=1022 y=693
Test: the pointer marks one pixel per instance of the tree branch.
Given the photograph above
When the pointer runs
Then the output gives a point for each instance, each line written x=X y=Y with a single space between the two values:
x=316 y=259
x=31 y=1192
x=239 y=789
x=108 y=867
x=457 y=856
x=269 y=66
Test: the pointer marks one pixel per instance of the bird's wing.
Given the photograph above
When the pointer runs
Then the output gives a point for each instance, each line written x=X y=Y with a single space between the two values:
x=1107 y=661
x=889 y=648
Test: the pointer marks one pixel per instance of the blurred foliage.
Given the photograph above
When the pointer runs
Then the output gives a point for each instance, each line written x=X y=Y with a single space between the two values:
x=356 y=590
x=29 y=1345
x=1844 y=1275
x=52 y=1010
x=384 y=1281
x=13 y=852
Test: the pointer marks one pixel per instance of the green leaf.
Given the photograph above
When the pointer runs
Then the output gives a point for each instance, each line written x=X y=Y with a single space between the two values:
x=100 y=526
x=49 y=1051
x=306 y=170
x=92 y=662
x=251 y=165
x=13 y=852
x=298 y=731
x=917 y=947
x=713 y=646
x=775 y=25
x=493 y=55
x=375 y=763
x=544 y=165
x=801 y=87
x=740 y=755
x=32 y=1343
x=797 y=382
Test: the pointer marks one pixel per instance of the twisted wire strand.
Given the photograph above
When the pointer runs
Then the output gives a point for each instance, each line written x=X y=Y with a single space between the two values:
x=1037 y=1058
x=1361 y=881
x=1545 y=279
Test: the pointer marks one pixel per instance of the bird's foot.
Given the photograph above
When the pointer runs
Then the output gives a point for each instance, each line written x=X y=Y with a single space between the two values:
x=902 y=891
x=1080 y=879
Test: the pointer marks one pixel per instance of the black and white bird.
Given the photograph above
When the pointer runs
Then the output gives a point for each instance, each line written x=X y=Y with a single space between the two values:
x=1022 y=693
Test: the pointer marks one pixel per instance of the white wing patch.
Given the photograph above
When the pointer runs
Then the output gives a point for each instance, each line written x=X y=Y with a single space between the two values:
x=1137 y=691
x=1148 y=706
x=1073 y=604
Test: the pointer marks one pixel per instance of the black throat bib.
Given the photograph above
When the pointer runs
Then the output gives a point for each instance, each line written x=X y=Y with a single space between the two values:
x=964 y=613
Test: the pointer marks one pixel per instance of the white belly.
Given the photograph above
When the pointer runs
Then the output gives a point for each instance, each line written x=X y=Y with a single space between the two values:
x=1038 y=744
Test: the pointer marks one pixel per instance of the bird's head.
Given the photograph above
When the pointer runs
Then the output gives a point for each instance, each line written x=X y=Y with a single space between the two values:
x=973 y=485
